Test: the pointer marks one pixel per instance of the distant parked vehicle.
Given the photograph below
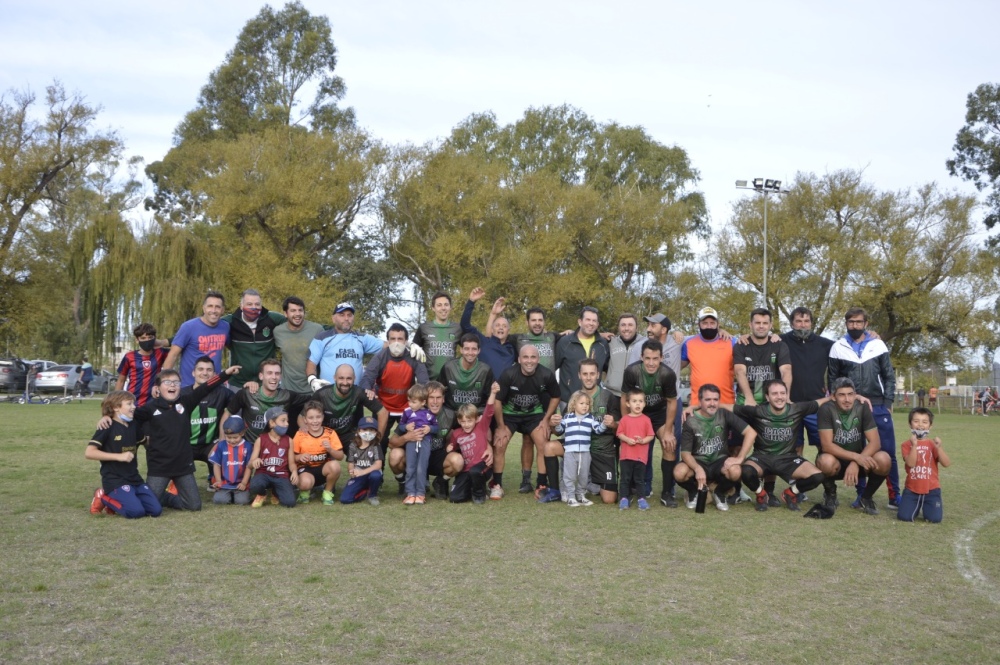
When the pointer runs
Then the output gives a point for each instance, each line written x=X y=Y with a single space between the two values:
x=102 y=382
x=42 y=365
x=61 y=378
x=13 y=374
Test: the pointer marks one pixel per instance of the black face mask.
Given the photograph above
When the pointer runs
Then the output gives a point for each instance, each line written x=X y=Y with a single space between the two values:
x=147 y=344
x=709 y=333
x=856 y=333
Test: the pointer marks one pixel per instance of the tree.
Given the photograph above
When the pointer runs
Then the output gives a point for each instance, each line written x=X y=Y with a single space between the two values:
x=977 y=147
x=554 y=210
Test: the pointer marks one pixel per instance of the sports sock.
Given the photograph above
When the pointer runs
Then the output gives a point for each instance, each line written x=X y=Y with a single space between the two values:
x=769 y=484
x=525 y=475
x=552 y=471
x=667 y=469
x=874 y=482
x=498 y=478
x=751 y=479
x=691 y=485
x=723 y=486
x=806 y=484
x=829 y=486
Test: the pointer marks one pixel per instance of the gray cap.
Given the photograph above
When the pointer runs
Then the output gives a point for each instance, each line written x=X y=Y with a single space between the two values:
x=658 y=318
x=273 y=413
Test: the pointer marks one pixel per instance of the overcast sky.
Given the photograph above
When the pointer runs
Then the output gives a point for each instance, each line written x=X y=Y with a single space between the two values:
x=748 y=89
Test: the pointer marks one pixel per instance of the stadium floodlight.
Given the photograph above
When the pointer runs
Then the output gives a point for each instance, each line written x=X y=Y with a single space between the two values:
x=763 y=186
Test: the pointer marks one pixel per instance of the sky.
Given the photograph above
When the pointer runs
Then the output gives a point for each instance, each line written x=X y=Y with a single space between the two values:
x=748 y=90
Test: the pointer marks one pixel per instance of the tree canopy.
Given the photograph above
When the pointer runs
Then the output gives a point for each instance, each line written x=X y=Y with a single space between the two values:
x=977 y=147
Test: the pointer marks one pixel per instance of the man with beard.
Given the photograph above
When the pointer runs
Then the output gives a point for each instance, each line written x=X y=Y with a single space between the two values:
x=809 y=354
x=293 y=338
x=344 y=404
x=253 y=405
x=251 y=337
x=496 y=349
x=538 y=337
x=619 y=347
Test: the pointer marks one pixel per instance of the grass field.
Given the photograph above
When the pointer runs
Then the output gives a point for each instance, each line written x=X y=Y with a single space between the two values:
x=508 y=582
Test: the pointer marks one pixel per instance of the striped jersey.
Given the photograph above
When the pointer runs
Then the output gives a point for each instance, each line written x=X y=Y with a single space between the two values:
x=140 y=373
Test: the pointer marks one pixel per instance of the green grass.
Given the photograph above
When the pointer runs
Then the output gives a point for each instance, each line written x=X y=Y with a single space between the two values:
x=508 y=582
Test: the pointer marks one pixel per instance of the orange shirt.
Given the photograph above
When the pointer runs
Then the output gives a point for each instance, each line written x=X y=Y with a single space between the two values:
x=923 y=477
x=307 y=444
x=711 y=362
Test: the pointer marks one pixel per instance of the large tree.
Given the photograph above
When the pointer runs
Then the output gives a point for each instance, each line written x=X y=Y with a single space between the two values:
x=977 y=147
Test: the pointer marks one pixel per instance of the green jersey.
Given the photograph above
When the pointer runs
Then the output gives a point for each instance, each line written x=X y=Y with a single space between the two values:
x=438 y=340
x=545 y=343
x=763 y=363
x=776 y=431
x=341 y=413
x=705 y=437
x=466 y=386
x=604 y=403
x=252 y=407
x=848 y=428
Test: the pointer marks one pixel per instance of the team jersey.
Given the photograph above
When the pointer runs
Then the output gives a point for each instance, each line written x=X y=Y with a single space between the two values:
x=657 y=388
x=775 y=431
x=446 y=422
x=341 y=413
x=119 y=438
x=466 y=386
x=604 y=403
x=473 y=444
x=364 y=458
x=391 y=379
x=140 y=373
x=527 y=395
x=809 y=358
x=205 y=416
x=705 y=436
x=233 y=460
x=545 y=343
x=249 y=346
x=273 y=455
x=762 y=362
x=331 y=349
x=923 y=477
x=635 y=427
x=438 y=340
x=253 y=407
x=196 y=339
x=711 y=362
x=293 y=346
x=307 y=444
x=848 y=428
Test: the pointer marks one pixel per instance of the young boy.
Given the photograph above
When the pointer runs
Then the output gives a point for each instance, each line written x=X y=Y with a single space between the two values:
x=231 y=464
x=122 y=490
x=364 y=465
x=418 y=453
x=318 y=452
x=921 y=455
x=635 y=431
x=472 y=440
x=139 y=368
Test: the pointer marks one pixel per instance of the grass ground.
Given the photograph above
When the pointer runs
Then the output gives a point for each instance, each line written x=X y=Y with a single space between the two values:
x=508 y=582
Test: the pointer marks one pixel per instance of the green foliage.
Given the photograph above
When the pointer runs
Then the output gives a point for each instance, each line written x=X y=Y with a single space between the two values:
x=977 y=147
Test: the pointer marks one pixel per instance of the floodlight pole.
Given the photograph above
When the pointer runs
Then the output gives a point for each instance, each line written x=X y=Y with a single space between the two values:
x=763 y=186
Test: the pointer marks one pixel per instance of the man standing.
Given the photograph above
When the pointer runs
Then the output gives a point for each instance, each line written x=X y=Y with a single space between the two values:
x=439 y=336
x=466 y=379
x=206 y=335
x=344 y=404
x=332 y=348
x=529 y=395
x=293 y=338
x=538 y=337
x=659 y=384
x=760 y=360
x=251 y=337
x=864 y=359
x=710 y=358
x=619 y=348
x=496 y=349
x=809 y=354
x=572 y=348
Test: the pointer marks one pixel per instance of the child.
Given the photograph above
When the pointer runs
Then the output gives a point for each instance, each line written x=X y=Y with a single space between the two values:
x=418 y=453
x=364 y=465
x=139 y=368
x=635 y=431
x=122 y=490
x=921 y=456
x=318 y=452
x=578 y=426
x=472 y=440
x=231 y=464
x=273 y=467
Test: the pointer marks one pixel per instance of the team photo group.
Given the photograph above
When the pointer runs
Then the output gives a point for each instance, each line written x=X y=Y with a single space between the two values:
x=437 y=407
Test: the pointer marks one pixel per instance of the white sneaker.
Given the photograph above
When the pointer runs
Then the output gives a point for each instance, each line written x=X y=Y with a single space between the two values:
x=496 y=492
x=572 y=503
x=743 y=497
x=692 y=503
x=720 y=502
x=584 y=501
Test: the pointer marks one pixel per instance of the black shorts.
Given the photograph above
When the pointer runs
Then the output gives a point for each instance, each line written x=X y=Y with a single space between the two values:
x=713 y=471
x=435 y=466
x=780 y=465
x=604 y=470
x=843 y=467
x=524 y=424
x=316 y=472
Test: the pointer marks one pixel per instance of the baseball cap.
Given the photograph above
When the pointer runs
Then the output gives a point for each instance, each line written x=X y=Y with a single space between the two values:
x=706 y=312
x=343 y=307
x=658 y=318
x=273 y=413
x=233 y=425
x=367 y=423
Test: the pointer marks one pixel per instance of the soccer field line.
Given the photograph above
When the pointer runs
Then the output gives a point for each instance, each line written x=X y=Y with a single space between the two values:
x=965 y=558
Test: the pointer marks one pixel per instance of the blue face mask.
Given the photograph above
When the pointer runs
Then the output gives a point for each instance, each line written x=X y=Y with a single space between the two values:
x=126 y=419
x=280 y=430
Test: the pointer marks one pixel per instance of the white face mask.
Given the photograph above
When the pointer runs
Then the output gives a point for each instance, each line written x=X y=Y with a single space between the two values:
x=366 y=435
x=920 y=433
x=396 y=349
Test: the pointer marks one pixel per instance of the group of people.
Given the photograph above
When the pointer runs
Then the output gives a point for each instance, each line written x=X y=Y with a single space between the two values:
x=445 y=403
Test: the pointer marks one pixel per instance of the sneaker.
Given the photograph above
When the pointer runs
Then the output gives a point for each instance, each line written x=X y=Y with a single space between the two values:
x=857 y=503
x=373 y=501
x=258 y=501
x=552 y=496
x=211 y=486
x=525 y=487
x=97 y=505
x=623 y=504
x=720 y=502
x=419 y=500
x=692 y=500
x=803 y=497
x=669 y=501
x=327 y=498
x=496 y=493
x=644 y=505
x=790 y=498
x=409 y=500
x=773 y=501
x=573 y=503
x=830 y=500
x=743 y=497
x=303 y=497
x=868 y=506
x=761 y=502
x=584 y=501
x=440 y=486
x=594 y=489
x=171 y=488
x=479 y=500
x=893 y=504
x=274 y=499
x=734 y=499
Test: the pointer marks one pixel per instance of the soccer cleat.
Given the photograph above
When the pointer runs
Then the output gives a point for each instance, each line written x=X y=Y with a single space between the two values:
x=761 y=502
x=496 y=493
x=893 y=504
x=743 y=497
x=644 y=505
x=97 y=505
x=830 y=500
x=440 y=486
x=303 y=497
x=803 y=497
x=573 y=503
x=668 y=500
x=857 y=503
x=479 y=500
x=868 y=506
x=409 y=500
x=790 y=498
x=401 y=479
x=720 y=502
x=258 y=501
x=171 y=488
x=623 y=504
x=327 y=498
x=419 y=500
x=692 y=500
x=551 y=496
x=373 y=501
x=525 y=487
x=773 y=501
x=584 y=501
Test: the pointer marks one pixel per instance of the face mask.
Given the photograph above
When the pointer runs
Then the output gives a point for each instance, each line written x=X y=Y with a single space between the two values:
x=147 y=344
x=802 y=334
x=281 y=430
x=250 y=314
x=920 y=433
x=367 y=435
x=396 y=349
x=856 y=333
x=125 y=419
x=709 y=333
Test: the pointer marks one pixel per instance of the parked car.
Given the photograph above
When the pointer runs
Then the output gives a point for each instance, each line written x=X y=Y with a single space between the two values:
x=13 y=374
x=102 y=382
x=41 y=365
x=61 y=378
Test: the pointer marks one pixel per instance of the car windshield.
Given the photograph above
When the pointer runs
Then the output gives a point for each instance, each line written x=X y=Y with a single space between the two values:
x=62 y=368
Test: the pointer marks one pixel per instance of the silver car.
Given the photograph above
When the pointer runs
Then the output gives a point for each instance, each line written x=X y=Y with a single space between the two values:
x=61 y=378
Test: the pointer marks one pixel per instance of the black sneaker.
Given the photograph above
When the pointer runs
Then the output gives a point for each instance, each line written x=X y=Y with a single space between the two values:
x=525 y=487
x=762 y=502
x=440 y=486
x=830 y=500
x=479 y=500
x=773 y=501
x=868 y=506
x=668 y=500
x=791 y=499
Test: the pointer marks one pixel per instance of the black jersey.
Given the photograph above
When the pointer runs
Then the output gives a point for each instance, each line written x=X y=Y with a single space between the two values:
x=705 y=437
x=527 y=395
x=466 y=386
x=119 y=438
x=341 y=413
x=848 y=428
x=776 y=431
x=253 y=407
x=205 y=415
x=657 y=388
x=762 y=362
